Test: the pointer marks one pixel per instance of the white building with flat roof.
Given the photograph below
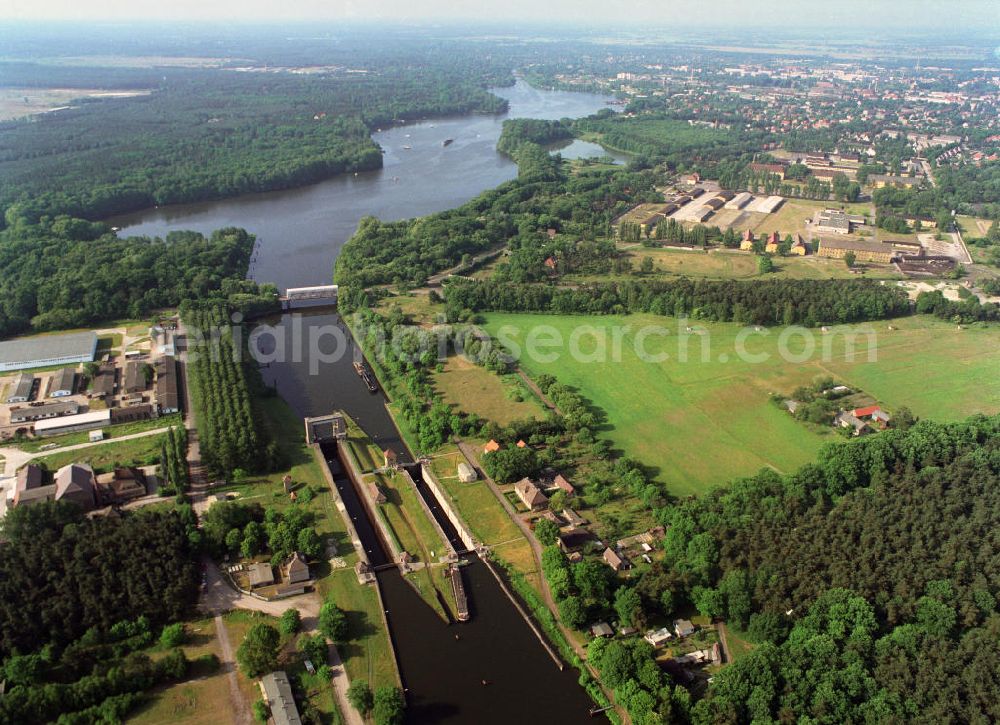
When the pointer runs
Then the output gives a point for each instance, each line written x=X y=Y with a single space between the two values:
x=36 y=352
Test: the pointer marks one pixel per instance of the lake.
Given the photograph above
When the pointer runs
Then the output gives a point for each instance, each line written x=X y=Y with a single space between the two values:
x=300 y=231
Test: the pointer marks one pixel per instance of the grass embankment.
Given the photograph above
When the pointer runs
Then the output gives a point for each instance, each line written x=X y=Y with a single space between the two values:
x=703 y=422
x=405 y=519
x=485 y=516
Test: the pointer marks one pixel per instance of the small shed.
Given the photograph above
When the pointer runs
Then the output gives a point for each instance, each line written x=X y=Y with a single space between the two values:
x=466 y=473
x=602 y=629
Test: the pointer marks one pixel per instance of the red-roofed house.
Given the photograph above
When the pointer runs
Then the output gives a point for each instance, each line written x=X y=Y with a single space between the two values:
x=491 y=447
x=563 y=485
x=530 y=494
x=522 y=444
x=866 y=412
x=772 y=243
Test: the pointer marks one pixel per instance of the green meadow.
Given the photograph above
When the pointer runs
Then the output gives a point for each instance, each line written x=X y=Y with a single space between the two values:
x=703 y=421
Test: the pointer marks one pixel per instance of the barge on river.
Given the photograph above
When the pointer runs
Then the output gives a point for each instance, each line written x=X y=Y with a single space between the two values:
x=361 y=369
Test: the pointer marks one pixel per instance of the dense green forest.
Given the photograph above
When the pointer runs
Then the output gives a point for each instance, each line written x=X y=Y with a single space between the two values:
x=62 y=573
x=63 y=273
x=787 y=302
x=866 y=577
x=214 y=133
x=867 y=584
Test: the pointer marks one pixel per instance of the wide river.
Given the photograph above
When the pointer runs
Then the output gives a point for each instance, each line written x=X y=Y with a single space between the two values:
x=300 y=233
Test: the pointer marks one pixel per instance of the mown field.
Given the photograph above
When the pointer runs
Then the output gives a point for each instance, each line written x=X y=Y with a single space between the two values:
x=702 y=422
x=477 y=390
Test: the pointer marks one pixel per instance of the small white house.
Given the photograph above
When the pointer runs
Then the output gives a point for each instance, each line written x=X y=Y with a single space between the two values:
x=658 y=637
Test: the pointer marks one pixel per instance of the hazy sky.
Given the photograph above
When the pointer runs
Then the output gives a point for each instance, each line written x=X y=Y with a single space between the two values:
x=854 y=15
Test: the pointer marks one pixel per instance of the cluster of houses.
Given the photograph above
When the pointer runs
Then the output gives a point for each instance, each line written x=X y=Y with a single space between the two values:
x=863 y=421
x=293 y=576
x=77 y=482
x=772 y=243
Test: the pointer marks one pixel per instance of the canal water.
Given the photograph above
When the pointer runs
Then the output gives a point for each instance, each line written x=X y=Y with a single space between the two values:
x=300 y=233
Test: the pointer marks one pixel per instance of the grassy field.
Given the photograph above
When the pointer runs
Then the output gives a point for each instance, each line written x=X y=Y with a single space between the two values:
x=113 y=431
x=200 y=700
x=485 y=515
x=700 y=424
x=791 y=217
x=485 y=393
x=737 y=265
x=104 y=457
x=368 y=655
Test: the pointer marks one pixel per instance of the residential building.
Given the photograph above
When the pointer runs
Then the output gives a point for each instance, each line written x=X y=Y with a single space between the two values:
x=615 y=560
x=602 y=629
x=277 y=692
x=799 y=247
x=658 y=637
x=68 y=349
x=24 y=414
x=880 y=181
x=296 y=569
x=491 y=447
x=683 y=628
x=775 y=169
x=773 y=240
x=530 y=495
x=63 y=383
x=21 y=392
x=876 y=252
x=122 y=485
x=76 y=483
x=30 y=486
x=746 y=244
x=846 y=419
x=574 y=540
x=573 y=518
x=389 y=458
x=563 y=485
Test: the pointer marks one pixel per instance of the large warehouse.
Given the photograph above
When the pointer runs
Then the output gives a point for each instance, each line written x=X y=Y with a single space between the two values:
x=36 y=352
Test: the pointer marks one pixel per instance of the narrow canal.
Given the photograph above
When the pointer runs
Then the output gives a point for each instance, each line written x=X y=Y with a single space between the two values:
x=443 y=666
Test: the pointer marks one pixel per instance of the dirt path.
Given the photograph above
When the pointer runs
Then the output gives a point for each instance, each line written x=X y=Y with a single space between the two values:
x=537 y=391
x=241 y=710
x=724 y=641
